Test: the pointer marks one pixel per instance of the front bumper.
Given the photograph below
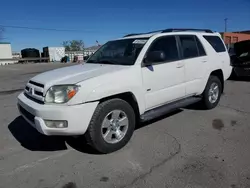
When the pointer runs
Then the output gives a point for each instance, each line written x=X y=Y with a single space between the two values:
x=242 y=71
x=77 y=116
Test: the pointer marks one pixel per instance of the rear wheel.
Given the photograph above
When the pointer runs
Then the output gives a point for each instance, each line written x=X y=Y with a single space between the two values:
x=111 y=126
x=212 y=93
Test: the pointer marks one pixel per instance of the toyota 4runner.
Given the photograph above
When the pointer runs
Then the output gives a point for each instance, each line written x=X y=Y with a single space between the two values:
x=131 y=79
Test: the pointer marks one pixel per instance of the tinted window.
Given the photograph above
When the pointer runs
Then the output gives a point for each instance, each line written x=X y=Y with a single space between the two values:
x=189 y=47
x=216 y=43
x=200 y=47
x=168 y=46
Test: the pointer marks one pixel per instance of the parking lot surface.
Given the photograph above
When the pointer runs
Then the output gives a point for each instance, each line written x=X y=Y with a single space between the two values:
x=190 y=148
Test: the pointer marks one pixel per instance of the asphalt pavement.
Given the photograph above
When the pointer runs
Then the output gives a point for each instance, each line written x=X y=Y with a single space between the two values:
x=189 y=148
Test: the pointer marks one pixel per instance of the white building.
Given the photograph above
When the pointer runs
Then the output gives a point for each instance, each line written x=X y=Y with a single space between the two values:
x=16 y=55
x=54 y=53
x=72 y=54
x=5 y=53
x=90 y=50
x=81 y=54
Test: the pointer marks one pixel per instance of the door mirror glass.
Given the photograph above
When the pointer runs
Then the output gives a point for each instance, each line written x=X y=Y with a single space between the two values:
x=154 y=56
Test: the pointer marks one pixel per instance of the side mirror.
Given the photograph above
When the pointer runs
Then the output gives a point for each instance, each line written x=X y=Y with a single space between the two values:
x=154 y=56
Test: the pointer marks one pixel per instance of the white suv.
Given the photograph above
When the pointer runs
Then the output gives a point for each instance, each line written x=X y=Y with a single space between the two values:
x=137 y=77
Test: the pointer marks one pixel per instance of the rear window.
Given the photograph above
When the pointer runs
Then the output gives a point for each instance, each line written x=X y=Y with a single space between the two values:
x=216 y=43
x=189 y=47
x=200 y=47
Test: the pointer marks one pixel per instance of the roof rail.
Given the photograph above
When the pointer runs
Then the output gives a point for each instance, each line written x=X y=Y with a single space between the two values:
x=171 y=30
x=186 y=29
x=132 y=34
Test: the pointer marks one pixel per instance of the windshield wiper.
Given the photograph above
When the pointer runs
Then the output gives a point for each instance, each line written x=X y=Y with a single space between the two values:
x=102 y=62
x=91 y=61
x=106 y=62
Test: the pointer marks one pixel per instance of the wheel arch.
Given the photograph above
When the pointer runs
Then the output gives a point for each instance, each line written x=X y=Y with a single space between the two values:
x=219 y=74
x=129 y=97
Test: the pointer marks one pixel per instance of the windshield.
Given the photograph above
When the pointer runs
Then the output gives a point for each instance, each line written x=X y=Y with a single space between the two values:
x=119 y=52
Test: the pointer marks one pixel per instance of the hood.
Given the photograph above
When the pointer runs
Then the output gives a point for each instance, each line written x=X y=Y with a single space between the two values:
x=74 y=74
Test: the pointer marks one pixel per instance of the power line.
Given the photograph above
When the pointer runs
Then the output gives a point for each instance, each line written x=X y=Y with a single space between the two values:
x=42 y=28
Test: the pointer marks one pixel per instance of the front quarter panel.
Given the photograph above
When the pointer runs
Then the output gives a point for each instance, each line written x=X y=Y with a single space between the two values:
x=125 y=80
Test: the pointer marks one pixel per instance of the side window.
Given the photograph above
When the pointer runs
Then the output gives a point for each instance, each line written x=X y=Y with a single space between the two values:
x=216 y=43
x=168 y=46
x=188 y=46
x=200 y=47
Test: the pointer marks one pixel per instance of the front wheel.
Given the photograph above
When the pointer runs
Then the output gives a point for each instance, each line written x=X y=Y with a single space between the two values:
x=111 y=126
x=212 y=93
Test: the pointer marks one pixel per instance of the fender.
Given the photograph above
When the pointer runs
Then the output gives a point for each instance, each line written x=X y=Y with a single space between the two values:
x=205 y=80
x=110 y=90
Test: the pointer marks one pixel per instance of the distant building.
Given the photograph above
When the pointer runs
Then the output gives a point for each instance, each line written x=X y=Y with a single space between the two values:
x=232 y=37
x=90 y=50
x=16 y=55
x=72 y=54
x=81 y=54
x=54 y=53
x=5 y=53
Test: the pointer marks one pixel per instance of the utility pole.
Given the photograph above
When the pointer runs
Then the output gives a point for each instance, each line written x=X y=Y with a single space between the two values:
x=225 y=24
x=1 y=32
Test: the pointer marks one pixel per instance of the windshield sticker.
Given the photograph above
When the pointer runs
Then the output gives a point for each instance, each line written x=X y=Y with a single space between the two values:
x=139 y=41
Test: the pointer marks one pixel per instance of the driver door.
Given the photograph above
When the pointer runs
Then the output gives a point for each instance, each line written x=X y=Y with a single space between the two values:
x=164 y=82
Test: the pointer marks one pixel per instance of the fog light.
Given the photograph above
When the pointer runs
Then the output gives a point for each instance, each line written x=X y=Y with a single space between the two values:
x=56 y=124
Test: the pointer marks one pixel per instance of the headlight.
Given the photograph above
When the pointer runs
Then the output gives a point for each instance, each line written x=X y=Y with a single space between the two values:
x=61 y=93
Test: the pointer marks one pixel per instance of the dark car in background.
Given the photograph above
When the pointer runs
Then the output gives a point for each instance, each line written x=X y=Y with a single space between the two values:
x=240 y=58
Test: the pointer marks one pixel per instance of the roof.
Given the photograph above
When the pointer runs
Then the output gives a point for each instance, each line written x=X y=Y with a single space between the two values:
x=239 y=32
x=170 y=33
x=141 y=36
x=92 y=48
x=4 y=42
x=245 y=32
x=170 y=30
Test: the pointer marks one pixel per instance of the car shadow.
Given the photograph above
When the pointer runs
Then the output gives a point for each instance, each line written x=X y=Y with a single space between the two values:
x=240 y=79
x=32 y=140
x=80 y=144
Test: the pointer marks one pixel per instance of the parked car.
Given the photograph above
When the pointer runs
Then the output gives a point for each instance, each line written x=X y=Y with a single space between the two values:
x=240 y=58
x=135 y=78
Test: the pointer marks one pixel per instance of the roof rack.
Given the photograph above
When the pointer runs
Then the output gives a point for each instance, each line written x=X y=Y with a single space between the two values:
x=132 y=34
x=171 y=30
x=186 y=29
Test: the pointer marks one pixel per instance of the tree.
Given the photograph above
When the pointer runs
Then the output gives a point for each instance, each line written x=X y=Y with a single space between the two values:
x=73 y=45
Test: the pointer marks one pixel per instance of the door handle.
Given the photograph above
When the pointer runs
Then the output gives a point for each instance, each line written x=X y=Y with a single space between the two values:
x=179 y=65
x=204 y=61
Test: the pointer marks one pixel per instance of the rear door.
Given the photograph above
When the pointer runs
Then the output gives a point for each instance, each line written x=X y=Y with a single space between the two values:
x=195 y=60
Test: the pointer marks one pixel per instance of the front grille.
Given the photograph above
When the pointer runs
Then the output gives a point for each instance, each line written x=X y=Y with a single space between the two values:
x=39 y=93
x=34 y=91
x=28 y=115
x=33 y=99
x=36 y=84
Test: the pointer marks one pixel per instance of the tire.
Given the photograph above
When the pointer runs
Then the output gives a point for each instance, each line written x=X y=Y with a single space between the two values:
x=207 y=102
x=106 y=112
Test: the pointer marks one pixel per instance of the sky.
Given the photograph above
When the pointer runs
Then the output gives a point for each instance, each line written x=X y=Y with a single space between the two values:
x=104 y=20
